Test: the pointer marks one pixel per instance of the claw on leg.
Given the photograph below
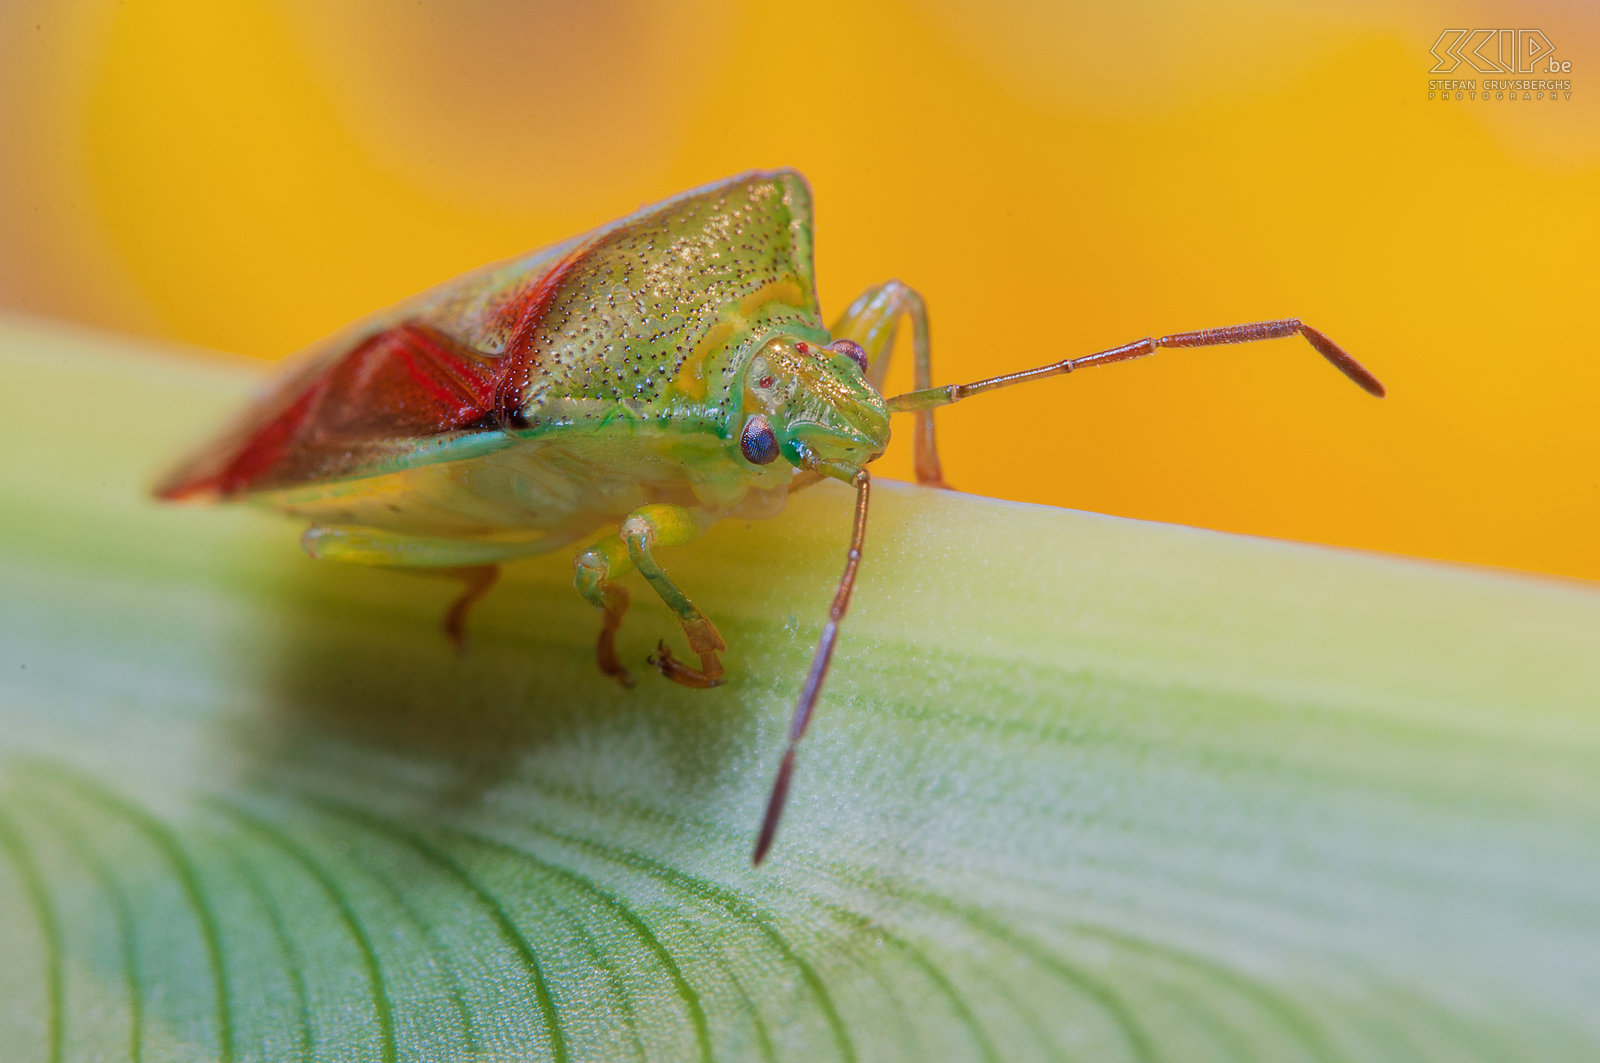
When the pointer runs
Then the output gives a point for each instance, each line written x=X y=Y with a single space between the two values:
x=708 y=675
x=704 y=640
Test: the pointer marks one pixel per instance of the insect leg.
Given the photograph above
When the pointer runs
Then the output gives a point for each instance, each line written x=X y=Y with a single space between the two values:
x=669 y=525
x=476 y=563
x=373 y=546
x=596 y=570
x=479 y=579
x=871 y=321
x=926 y=399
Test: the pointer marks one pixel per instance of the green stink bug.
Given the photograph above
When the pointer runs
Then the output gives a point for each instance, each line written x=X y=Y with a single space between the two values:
x=646 y=379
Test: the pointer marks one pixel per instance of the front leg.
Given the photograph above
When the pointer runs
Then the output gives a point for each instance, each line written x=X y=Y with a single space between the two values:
x=871 y=321
x=603 y=563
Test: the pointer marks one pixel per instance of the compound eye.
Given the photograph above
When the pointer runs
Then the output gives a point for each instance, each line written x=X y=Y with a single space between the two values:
x=760 y=446
x=851 y=348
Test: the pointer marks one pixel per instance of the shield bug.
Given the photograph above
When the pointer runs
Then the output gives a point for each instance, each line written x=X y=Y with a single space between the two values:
x=619 y=392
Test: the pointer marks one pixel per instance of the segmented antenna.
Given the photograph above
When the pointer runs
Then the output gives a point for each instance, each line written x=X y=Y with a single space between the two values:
x=819 y=671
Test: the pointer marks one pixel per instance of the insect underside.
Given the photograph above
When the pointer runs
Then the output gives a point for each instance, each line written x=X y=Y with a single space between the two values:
x=638 y=383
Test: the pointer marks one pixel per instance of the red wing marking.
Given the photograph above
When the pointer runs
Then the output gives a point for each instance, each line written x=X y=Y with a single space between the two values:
x=521 y=358
x=406 y=382
x=403 y=384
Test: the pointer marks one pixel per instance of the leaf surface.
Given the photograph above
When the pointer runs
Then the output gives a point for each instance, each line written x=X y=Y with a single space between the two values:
x=1080 y=788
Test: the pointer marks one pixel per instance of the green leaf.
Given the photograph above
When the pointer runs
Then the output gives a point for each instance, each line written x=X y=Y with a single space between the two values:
x=1080 y=788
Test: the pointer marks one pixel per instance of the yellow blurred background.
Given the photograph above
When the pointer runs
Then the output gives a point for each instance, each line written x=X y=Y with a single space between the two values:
x=1055 y=178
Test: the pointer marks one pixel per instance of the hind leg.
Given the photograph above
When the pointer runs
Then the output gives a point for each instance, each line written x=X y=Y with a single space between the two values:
x=476 y=564
x=478 y=579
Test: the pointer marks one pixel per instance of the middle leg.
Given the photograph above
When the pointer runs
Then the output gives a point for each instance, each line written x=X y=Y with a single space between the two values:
x=668 y=525
x=602 y=564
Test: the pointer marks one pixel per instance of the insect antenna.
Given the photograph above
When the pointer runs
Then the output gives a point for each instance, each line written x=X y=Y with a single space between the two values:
x=819 y=671
x=930 y=398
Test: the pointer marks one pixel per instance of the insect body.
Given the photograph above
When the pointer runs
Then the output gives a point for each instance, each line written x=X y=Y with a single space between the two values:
x=638 y=383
